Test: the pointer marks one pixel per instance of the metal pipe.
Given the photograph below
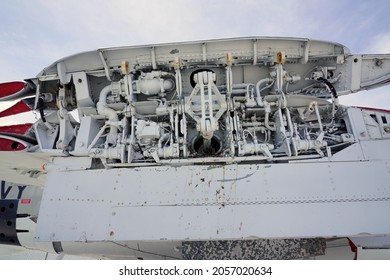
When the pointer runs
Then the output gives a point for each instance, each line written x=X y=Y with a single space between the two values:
x=266 y=122
x=318 y=116
x=109 y=113
x=258 y=90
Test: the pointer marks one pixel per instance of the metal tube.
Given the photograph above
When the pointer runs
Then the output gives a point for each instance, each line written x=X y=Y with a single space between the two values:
x=109 y=113
x=318 y=116
x=258 y=90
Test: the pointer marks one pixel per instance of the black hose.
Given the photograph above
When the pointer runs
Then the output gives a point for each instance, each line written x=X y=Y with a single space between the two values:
x=41 y=107
x=330 y=86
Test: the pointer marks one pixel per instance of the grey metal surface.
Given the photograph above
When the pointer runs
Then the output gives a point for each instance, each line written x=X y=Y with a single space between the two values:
x=216 y=202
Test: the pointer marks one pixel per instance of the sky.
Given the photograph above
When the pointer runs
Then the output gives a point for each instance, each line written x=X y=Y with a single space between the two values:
x=35 y=33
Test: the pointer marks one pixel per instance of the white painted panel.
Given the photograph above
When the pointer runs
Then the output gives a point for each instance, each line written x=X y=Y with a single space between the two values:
x=232 y=201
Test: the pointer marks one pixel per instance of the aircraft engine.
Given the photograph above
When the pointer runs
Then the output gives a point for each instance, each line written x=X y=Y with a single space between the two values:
x=147 y=116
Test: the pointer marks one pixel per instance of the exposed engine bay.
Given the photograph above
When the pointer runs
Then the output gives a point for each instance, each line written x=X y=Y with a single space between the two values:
x=208 y=110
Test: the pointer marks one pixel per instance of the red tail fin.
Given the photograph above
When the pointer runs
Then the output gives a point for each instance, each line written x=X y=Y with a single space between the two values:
x=19 y=107
x=12 y=137
x=15 y=90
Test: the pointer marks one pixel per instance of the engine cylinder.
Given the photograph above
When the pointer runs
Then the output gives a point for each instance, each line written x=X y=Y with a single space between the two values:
x=202 y=146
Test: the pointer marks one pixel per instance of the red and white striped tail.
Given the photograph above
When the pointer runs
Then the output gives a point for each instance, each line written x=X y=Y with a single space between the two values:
x=22 y=106
x=13 y=137
x=15 y=90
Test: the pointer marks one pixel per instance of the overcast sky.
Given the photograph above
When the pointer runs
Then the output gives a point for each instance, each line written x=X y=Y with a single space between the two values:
x=35 y=33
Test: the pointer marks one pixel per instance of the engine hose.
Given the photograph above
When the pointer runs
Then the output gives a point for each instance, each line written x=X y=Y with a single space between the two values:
x=329 y=84
x=41 y=108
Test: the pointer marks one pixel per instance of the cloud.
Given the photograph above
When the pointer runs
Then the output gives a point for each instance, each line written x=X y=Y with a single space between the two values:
x=377 y=98
x=380 y=44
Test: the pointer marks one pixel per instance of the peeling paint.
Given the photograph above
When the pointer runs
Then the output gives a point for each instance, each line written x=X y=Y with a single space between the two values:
x=258 y=249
